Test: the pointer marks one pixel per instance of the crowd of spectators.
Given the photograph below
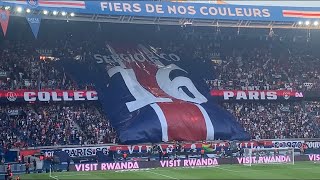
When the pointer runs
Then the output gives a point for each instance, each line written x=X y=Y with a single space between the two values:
x=8 y=137
x=24 y=65
x=265 y=68
x=278 y=120
x=54 y=124
x=94 y=125
x=22 y=68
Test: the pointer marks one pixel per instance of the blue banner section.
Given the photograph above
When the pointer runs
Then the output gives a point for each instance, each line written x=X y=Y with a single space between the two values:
x=34 y=22
x=175 y=9
x=186 y=10
x=149 y=97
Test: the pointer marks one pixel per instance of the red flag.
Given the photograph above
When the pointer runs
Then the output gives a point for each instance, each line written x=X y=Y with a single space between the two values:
x=4 y=20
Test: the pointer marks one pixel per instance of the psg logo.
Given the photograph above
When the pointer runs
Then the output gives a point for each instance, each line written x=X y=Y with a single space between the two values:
x=286 y=95
x=33 y=3
x=11 y=96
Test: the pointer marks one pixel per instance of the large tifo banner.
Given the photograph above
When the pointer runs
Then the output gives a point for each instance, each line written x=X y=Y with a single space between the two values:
x=47 y=95
x=149 y=98
x=256 y=95
x=175 y=9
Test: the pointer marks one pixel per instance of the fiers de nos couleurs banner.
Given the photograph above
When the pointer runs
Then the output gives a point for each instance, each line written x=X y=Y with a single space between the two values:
x=175 y=9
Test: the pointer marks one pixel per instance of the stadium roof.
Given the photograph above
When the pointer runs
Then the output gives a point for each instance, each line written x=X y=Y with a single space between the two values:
x=173 y=21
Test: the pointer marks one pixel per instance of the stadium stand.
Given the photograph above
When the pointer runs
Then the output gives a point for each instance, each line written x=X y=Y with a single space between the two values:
x=88 y=96
x=265 y=63
x=54 y=124
x=278 y=120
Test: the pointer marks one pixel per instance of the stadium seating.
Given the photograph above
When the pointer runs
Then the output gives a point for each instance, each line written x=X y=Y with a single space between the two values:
x=278 y=120
x=54 y=124
x=264 y=64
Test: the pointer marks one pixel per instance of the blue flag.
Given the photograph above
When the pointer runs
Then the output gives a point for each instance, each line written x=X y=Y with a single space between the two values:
x=34 y=22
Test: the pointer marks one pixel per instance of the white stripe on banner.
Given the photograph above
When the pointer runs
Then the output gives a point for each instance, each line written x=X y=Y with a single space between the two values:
x=65 y=4
x=209 y=125
x=142 y=96
x=163 y=121
x=59 y=6
x=16 y=2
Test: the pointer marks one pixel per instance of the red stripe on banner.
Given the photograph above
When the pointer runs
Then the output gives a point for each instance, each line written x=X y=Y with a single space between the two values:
x=61 y=3
x=287 y=13
x=185 y=121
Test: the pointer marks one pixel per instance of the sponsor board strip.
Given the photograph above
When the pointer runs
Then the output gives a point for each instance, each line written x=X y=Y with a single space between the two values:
x=187 y=163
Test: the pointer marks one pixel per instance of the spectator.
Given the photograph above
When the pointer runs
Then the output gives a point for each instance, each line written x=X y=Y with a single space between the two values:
x=34 y=165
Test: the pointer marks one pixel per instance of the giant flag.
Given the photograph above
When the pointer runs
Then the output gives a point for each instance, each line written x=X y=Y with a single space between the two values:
x=149 y=98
